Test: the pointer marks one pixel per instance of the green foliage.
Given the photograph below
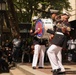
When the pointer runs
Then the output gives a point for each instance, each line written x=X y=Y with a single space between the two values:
x=26 y=8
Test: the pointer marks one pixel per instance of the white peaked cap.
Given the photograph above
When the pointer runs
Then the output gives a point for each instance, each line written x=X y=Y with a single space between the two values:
x=54 y=11
x=66 y=12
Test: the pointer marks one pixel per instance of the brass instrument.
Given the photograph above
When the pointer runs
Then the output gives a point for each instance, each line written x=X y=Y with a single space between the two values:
x=63 y=27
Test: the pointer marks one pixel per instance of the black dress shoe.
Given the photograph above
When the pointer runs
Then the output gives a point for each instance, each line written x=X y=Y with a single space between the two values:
x=34 y=67
x=56 y=71
x=40 y=67
x=62 y=73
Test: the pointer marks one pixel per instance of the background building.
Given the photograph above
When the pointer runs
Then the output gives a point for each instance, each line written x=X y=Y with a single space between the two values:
x=73 y=11
x=72 y=19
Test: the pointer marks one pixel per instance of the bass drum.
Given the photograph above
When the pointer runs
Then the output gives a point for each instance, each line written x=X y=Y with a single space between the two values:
x=47 y=24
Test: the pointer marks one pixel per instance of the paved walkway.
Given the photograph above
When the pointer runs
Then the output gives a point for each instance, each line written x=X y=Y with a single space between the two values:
x=70 y=68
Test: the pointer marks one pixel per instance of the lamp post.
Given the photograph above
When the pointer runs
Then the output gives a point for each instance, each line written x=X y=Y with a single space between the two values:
x=2 y=10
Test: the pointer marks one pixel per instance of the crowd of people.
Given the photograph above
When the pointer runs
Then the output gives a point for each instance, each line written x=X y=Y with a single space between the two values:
x=5 y=56
x=19 y=51
x=15 y=51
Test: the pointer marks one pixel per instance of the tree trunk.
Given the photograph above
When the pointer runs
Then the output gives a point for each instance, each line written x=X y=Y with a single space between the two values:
x=13 y=18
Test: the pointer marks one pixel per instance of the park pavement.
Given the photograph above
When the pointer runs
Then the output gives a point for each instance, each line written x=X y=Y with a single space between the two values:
x=70 y=68
x=26 y=67
x=5 y=74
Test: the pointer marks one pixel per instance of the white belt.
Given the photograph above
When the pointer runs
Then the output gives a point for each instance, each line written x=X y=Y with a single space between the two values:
x=59 y=33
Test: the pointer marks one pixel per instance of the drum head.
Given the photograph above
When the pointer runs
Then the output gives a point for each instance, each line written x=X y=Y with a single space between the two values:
x=48 y=24
x=39 y=24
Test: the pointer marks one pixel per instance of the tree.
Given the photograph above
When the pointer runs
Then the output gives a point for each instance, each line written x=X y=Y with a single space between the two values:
x=13 y=20
x=25 y=8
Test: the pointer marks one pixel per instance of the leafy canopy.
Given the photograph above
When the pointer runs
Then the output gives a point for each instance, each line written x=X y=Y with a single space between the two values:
x=26 y=8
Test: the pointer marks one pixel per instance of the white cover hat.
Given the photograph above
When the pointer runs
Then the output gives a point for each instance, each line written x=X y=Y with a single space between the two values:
x=66 y=12
x=54 y=11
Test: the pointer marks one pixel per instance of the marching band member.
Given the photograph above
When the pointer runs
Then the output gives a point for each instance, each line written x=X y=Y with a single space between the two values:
x=58 y=42
x=39 y=44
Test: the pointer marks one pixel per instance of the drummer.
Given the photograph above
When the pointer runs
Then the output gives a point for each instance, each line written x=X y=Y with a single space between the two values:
x=39 y=44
